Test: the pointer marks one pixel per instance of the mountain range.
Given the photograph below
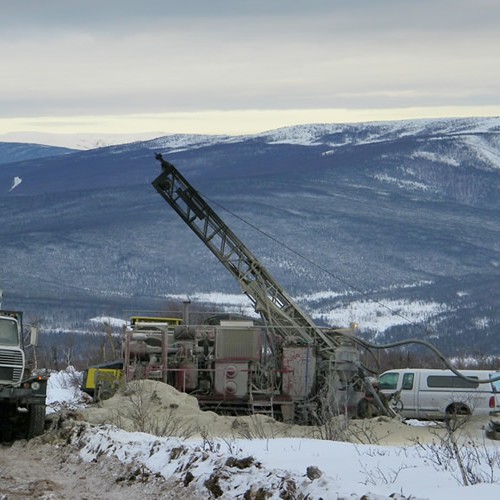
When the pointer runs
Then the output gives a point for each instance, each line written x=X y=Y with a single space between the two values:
x=395 y=225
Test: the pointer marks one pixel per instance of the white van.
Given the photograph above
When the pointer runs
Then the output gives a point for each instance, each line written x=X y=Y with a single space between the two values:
x=429 y=394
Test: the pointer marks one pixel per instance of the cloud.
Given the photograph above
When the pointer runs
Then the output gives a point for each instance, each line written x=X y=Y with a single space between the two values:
x=155 y=56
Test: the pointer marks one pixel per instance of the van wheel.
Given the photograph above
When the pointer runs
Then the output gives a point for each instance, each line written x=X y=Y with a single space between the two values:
x=456 y=416
x=458 y=409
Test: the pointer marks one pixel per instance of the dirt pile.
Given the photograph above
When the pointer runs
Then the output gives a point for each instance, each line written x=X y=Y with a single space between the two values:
x=158 y=408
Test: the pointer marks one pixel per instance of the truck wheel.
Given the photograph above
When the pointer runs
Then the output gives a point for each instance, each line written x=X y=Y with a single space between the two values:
x=36 y=420
x=6 y=426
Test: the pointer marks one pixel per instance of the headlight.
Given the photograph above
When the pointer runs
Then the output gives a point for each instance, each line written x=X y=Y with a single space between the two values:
x=35 y=386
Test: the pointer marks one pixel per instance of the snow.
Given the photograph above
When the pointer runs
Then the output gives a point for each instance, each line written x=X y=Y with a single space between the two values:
x=182 y=142
x=305 y=468
x=306 y=135
x=346 y=470
x=484 y=150
x=109 y=320
x=63 y=390
x=374 y=316
x=401 y=183
x=80 y=141
x=229 y=302
x=382 y=315
x=429 y=156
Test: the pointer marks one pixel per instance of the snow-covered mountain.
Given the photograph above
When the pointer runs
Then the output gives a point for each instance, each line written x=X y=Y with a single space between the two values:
x=11 y=152
x=392 y=224
x=83 y=141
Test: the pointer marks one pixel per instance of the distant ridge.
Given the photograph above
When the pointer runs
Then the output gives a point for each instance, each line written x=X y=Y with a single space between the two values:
x=404 y=214
x=11 y=152
x=77 y=141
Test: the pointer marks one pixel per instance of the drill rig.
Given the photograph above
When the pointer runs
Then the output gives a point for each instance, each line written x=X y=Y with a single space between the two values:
x=284 y=363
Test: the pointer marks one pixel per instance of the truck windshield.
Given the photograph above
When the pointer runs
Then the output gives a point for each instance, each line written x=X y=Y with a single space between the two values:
x=8 y=332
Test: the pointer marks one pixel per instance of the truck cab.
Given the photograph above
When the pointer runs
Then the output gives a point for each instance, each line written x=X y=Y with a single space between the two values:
x=12 y=355
x=22 y=393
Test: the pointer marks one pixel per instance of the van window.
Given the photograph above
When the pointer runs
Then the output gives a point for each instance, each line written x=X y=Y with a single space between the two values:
x=450 y=381
x=407 y=383
x=389 y=381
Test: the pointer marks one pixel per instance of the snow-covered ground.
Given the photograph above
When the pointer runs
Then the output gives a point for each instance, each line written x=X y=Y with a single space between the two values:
x=297 y=467
x=374 y=316
x=63 y=391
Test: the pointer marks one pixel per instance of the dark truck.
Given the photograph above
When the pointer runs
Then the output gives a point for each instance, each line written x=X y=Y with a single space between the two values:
x=22 y=392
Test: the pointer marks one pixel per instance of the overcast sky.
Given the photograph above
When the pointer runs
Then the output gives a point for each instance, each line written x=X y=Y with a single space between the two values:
x=236 y=66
